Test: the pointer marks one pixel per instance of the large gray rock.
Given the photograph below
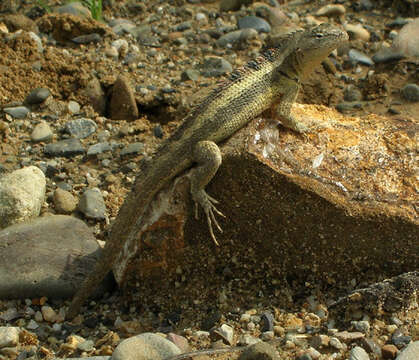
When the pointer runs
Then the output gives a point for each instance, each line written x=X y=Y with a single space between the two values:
x=22 y=193
x=47 y=257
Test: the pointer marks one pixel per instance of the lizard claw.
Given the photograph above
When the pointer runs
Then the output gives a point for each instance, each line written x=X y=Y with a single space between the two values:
x=207 y=202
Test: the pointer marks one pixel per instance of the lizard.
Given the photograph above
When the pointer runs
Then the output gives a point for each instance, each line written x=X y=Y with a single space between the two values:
x=270 y=81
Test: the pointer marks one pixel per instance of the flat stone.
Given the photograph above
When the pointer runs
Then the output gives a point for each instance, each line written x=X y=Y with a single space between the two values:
x=98 y=148
x=67 y=243
x=254 y=22
x=237 y=36
x=18 y=112
x=133 y=149
x=66 y=148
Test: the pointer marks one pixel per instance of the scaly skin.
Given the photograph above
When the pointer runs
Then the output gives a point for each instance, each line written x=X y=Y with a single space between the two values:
x=270 y=81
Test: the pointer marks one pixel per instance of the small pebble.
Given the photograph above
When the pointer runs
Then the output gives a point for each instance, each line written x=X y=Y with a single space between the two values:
x=410 y=92
x=18 y=112
x=37 y=96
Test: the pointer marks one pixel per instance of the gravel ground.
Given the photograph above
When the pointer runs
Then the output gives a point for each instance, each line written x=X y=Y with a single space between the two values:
x=58 y=82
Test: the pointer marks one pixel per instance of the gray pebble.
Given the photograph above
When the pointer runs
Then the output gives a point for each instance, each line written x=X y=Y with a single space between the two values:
x=18 y=112
x=254 y=22
x=237 y=36
x=10 y=314
x=362 y=326
x=267 y=321
x=32 y=325
x=186 y=25
x=215 y=66
x=67 y=148
x=386 y=55
x=98 y=148
x=122 y=28
x=87 y=39
x=92 y=204
x=134 y=148
x=351 y=93
x=80 y=128
x=74 y=8
x=37 y=96
x=359 y=57
x=397 y=22
x=410 y=92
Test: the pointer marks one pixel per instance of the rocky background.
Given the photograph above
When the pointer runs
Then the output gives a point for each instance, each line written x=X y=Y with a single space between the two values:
x=83 y=101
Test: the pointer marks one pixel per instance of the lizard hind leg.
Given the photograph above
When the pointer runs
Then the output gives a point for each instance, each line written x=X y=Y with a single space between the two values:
x=207 y=155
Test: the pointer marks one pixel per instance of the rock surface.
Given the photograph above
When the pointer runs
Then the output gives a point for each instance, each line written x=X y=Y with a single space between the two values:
x=65 y=242
x=303 y=193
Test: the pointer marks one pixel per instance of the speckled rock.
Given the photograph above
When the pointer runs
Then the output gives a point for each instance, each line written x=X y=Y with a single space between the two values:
x=147 y=346
x=22 y=194
x=411 y=352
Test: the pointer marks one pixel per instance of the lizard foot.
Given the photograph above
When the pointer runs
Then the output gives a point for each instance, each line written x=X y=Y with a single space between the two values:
x=208 y=204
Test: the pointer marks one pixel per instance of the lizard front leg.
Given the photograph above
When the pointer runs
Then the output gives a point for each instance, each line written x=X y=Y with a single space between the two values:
x=283 y=108
x=207 y=155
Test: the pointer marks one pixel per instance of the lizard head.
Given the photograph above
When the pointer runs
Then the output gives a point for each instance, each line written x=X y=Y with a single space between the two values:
x=317 y=43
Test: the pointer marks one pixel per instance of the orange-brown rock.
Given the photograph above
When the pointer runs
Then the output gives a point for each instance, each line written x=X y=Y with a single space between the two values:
x=335 y=205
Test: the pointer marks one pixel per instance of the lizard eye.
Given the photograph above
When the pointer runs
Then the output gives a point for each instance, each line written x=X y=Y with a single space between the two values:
x=319 y=35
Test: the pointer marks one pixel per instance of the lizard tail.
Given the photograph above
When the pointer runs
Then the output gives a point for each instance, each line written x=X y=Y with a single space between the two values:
x=128 y=222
